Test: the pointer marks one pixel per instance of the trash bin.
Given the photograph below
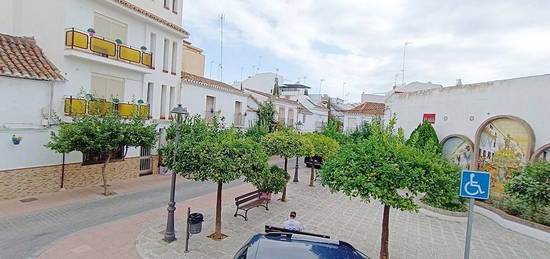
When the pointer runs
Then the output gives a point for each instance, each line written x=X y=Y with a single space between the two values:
x=195 y=223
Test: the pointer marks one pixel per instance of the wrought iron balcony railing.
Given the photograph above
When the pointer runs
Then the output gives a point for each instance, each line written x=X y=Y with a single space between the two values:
x=80 y=40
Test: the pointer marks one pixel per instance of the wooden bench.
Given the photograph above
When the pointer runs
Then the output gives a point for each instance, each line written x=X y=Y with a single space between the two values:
x=248 y=201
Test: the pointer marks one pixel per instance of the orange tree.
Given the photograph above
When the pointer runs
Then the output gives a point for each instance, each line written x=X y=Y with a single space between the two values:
x=321 y=146
x=381 y=167
x=103 y=135
x=286 y=144
x=211 y=152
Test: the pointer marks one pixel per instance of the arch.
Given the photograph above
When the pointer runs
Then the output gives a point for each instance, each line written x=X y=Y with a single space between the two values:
x=502 y=143
x=465 y=139
x=538 y=152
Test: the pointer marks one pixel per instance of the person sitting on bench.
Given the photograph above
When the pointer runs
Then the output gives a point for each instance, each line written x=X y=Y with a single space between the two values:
x=292 y=223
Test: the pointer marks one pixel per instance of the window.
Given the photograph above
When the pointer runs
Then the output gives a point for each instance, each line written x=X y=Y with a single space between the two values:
x=163 y=103
x=107 y=87
x=98 y=157
x=210 y=108
x=167 y=4
x=303 y=118
x=290 y=120
x=174 y=56
x=175 y=6
x=110 y=28
x=282 y=114
x=150 y=93
x=352 y=123
x=171 y=100
x=165 y=57
x=153 y=46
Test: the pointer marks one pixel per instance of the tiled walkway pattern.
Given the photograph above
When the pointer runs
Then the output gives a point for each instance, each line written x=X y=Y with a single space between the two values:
x=412 y=235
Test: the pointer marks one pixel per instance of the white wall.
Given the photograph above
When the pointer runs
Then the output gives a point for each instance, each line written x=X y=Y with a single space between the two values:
x=360 y=119
x=194 y=98
x=526 y=98
x=263 y=82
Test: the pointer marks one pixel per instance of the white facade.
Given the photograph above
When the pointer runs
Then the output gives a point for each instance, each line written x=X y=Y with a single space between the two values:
x=47 y=22
x=353 y=120
x=263 y=82
x=231 y=105
x=463 y=109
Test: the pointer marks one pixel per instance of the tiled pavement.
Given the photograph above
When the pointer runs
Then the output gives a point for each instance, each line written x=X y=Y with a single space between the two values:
x=412 y=235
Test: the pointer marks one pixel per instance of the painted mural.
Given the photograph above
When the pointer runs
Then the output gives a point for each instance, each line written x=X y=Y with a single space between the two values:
x=503 y=148
x=458 y=151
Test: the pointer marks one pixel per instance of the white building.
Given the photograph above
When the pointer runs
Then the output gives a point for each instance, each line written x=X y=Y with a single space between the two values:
x=115 y=50
x=360 y=114
x=496 y=120
x=209 y=98
x=286 y=110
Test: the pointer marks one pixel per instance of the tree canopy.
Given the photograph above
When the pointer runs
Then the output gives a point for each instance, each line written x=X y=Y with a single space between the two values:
x=532 y=185
x=271 y=180
x=104 y=135
x=425 y=137
x=381 y=167
x=211 y=152
x=266 y=116
x=286 y=144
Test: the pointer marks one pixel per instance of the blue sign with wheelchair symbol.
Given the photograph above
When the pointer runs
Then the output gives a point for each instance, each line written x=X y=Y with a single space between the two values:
x=474 y=184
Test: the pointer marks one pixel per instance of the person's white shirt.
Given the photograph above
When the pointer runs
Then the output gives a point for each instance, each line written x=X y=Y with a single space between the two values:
x=293 y=224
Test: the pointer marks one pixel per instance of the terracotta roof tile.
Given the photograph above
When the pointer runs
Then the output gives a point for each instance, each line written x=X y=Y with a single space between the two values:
x=21 y=57
x=151 y=15
x=369 y=108
x=209 y=82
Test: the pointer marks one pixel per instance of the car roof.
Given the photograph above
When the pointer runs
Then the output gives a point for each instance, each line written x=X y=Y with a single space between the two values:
x=281 y=245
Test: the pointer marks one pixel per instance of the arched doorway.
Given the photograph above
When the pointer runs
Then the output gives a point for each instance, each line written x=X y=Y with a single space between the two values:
x=459 y=149
x=543 y=153
x=503 y=144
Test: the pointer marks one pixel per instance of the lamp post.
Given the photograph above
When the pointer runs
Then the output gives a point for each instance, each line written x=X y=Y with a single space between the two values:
x=170 y=234
x=295 y=180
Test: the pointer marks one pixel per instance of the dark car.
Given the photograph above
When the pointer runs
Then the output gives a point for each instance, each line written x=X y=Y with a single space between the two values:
x=316 y=161
x=294 y=244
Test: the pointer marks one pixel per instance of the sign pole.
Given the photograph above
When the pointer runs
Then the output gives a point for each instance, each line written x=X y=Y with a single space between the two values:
x=469 y=228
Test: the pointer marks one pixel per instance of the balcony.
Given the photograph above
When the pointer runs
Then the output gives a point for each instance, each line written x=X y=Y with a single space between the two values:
x=75 y=106
x=238 y=120
x=108 y=49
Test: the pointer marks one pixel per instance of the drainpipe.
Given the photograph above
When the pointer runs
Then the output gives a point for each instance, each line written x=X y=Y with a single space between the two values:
x=50 y=108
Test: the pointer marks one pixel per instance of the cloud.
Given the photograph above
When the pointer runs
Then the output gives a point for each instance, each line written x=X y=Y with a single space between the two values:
x=361 y=42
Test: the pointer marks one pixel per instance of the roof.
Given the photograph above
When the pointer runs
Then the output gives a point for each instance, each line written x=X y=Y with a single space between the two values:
x=151 y=15
x=295 y=86
x=199 y=80
x=304 y=110
x=21 y=57
x=272 y=97
x=286 y=245
x=369 y=108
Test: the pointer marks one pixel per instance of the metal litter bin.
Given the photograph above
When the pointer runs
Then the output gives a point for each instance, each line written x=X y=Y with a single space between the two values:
x=195 y=223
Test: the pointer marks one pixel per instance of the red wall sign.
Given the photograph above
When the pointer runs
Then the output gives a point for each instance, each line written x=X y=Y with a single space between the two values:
x=429 y=117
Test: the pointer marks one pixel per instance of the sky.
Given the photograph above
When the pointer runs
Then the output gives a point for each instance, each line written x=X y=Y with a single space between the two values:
x=346 y=47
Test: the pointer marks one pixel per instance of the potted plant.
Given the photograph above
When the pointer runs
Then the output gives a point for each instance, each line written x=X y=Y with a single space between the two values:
x=269 y=181
x=143 y=48
x=16 y=139
x=118 y=41
x=116 y=100
x=91 y=32
x=140 y=102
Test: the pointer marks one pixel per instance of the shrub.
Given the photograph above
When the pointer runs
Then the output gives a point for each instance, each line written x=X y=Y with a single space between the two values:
x=425 y=138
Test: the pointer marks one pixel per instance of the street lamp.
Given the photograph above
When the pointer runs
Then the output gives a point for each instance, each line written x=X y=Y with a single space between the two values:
x=295 y=180
x=170 y=234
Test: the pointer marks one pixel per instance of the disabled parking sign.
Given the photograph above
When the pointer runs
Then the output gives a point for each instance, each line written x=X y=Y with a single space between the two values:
x=475 y=184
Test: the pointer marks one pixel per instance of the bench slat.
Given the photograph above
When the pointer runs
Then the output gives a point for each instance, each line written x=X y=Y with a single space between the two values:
x=253 y=204
x=241 y=201
x=246 y=195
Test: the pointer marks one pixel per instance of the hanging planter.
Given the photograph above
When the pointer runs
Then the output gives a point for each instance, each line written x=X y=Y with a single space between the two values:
x=143 y=48
x=116 y=100
x=91 y=32
x=16 y=139
x=89 y=96
x=140 y=102
x=118 y=41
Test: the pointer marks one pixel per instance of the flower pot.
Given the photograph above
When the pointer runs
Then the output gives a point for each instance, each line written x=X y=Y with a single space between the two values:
x=266 y=196
x=16 y=139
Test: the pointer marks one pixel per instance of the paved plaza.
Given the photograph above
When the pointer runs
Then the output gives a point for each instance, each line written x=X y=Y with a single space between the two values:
x=412 y=235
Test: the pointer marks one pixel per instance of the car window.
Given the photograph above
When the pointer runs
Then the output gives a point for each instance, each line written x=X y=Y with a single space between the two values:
x=241 y=254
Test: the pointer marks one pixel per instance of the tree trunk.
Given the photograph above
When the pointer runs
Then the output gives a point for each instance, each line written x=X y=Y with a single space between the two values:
x=384 y=254
x=312 y=177
x=217 y=235
x=103 y=174
x=283 y=198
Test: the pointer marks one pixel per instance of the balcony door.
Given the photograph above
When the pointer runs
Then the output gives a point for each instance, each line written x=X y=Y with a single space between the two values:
x=110 y=28
x=107 y=87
